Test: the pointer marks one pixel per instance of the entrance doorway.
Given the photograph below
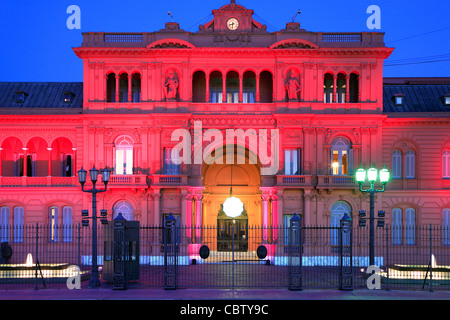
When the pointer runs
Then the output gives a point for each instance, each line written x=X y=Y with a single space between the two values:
x=232 y=233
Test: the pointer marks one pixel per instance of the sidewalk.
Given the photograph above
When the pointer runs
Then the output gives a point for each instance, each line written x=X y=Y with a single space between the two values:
x=219 y=294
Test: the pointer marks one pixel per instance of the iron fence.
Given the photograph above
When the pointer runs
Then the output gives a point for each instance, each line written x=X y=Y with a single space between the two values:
x=227 y=256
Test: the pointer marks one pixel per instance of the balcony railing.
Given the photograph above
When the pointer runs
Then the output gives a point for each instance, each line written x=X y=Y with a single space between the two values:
x=162 y=180
x=332 y=181
x=39 y=181
x=288 y=180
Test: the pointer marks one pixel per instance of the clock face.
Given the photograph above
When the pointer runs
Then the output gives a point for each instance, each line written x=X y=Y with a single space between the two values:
x=232 y=24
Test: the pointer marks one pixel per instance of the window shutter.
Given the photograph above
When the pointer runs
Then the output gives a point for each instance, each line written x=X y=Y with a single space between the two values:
x=4 y=224
x=446 y=226
x=350 y=161
x=397 y=226
x=18 y=224
x=410 y=226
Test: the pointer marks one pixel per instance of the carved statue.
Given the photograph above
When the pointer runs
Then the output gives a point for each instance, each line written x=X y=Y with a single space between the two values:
x=171 y=86
x=292 y=86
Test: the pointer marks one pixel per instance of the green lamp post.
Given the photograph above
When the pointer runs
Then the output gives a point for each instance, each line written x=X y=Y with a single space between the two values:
x=372 y=176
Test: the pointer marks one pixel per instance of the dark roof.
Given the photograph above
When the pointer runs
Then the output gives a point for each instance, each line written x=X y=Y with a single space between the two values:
x=41 y=94
x=420 y=94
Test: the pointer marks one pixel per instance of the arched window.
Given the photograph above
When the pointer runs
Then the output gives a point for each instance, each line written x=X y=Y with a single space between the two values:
x=18 y=224
x=396 y=226
x=232 y=87
x=111 y=88
x=215 y=87
x=4 y=224
x=446 y=226
x=410 y=232
x=328 y=88
x=249 y=87
x=123 y=155
x=396 y=164
x=123 y=87
x=353 y=88
x=265 y=87
x=337 y=212
x=446 y=164
x=136 y=87
x=125 y=208
x=198 y=86
x=340 y=88
x=53 y=225
x=67 y=224
x=341 y=156
x=410 y=164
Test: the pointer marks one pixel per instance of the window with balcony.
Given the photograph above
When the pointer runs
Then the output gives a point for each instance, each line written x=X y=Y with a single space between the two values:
x=341 y=157
x=249 y=87
x=232 y=87
x=169 y=167
x=340 y=88
x=215 y=87
x=328 y=88
x=292 y=161
x=123 y=155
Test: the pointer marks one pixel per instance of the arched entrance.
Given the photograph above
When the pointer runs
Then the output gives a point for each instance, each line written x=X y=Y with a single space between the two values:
x=243 y=179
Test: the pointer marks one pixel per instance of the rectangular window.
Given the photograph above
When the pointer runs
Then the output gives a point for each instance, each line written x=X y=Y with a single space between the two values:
x=67 y=224
x=124 y=161
x=396 y=226
x=410 y=164
x=169 y=167
x=446 y=226
x=4 y=224
x=292 y=161
x=18 y=224
x=410 y=232
x=396 y=164
x=53 y=224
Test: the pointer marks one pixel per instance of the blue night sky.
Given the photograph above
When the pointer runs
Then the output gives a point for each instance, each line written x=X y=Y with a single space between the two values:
x=36 y=44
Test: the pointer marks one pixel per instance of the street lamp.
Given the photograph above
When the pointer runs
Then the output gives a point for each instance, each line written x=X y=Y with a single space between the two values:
x=372 y=175
x=94 y=282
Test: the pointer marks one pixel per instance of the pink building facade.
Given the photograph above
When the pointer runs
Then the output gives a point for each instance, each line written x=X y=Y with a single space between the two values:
x=322 y=95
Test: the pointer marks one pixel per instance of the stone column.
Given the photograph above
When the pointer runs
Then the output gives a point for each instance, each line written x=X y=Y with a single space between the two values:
x=207 y=88
x=198 y=216
x=156 y=203
x=257 y=89
x=224 y=88
x=117 y=87
x=347 y=88
x=274 y=199
x=265 y=218
x=241 y=94
x=307 y=207
x=129 y=88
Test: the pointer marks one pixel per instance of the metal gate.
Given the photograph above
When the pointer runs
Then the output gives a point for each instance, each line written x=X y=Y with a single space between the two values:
x=233 y=255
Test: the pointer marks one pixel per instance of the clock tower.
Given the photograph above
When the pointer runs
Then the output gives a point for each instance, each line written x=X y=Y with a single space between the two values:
x=233 y=18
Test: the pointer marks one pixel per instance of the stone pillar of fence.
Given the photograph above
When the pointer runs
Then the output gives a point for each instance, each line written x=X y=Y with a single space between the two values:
x=119 y=281
x=295 y=253
x=170 y=254
x=346 y=257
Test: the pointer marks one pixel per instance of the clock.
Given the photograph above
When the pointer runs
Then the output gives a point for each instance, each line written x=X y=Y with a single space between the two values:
x=232 y=24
